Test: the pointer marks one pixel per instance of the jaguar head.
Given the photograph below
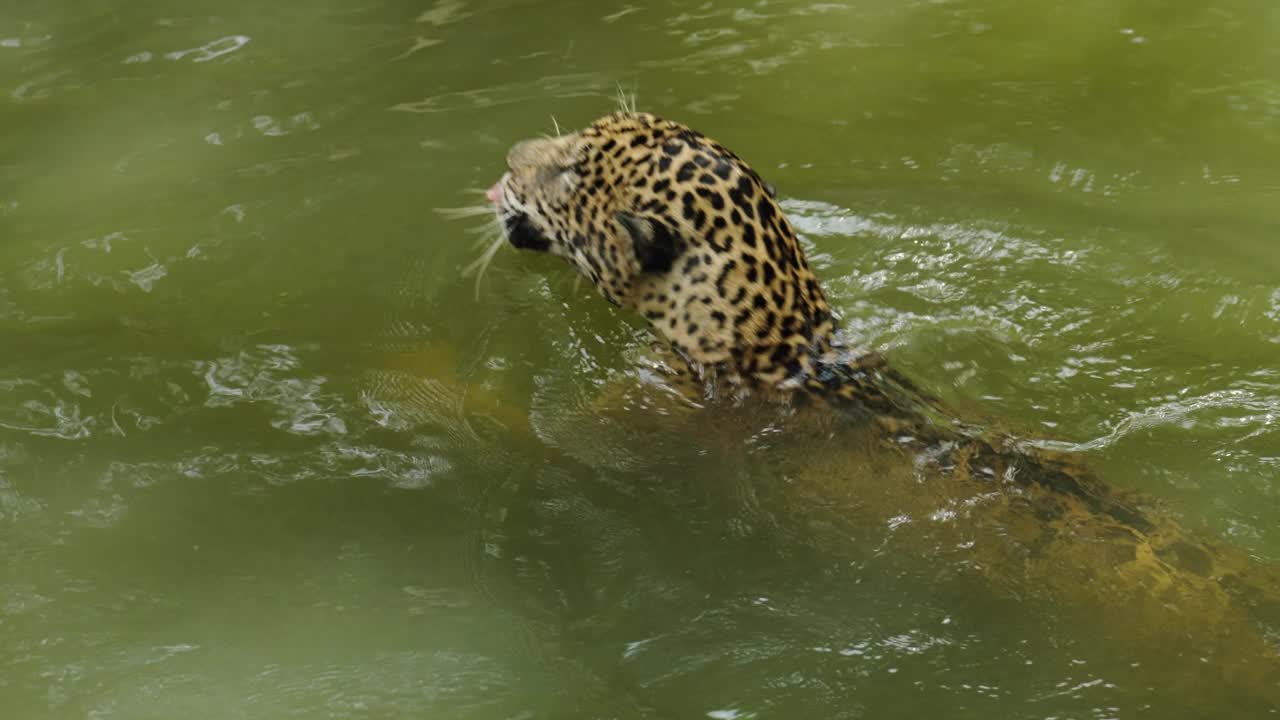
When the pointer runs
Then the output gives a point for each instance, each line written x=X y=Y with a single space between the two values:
x=666 y=221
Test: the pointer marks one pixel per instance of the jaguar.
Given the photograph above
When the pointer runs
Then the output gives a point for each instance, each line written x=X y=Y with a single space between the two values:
x=669 y=224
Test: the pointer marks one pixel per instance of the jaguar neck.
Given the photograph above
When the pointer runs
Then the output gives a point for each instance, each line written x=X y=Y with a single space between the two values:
x=826 y=372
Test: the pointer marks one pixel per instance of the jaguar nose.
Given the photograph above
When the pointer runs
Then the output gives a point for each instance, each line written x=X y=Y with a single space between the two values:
x=494 y=194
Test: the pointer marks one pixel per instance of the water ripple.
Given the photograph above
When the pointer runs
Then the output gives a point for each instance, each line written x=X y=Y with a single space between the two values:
x=211 y=50
x=561 y=86
x=265 y=375
x=1256 y=414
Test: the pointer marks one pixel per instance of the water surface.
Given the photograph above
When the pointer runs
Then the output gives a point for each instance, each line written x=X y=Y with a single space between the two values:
x=219 y=233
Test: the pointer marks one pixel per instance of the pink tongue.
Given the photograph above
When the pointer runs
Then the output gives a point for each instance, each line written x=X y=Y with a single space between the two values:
x=495 y=193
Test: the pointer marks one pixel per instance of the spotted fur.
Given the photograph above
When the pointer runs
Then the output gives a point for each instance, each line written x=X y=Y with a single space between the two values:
x=670 y=223
x=667 y=222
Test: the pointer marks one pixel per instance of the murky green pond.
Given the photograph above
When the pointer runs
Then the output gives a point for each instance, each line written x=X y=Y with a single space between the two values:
x=219 y=239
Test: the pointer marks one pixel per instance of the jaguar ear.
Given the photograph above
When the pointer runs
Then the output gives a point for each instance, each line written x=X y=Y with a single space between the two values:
x=656 y=245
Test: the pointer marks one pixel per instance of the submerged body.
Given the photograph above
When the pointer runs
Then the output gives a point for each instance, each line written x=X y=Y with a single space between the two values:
x=672 y=225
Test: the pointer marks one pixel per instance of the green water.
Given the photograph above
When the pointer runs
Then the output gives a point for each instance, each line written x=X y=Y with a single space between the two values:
x=218 y=227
